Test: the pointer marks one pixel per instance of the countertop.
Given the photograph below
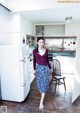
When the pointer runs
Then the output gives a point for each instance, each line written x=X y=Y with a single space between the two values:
x=64 y=50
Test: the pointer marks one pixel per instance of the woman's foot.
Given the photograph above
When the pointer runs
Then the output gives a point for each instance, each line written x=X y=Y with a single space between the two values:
x=41 y=106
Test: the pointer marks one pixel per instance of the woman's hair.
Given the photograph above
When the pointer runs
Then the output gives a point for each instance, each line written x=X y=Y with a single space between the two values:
x=39 y=38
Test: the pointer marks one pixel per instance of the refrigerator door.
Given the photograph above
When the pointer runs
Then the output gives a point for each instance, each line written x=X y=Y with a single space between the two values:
x=24 y=52
x=24 y=91
x=24 y=71
x=14 y=77
x=10 y=74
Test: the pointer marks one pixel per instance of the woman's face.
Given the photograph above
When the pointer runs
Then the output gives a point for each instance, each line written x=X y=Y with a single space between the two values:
x=40 y=43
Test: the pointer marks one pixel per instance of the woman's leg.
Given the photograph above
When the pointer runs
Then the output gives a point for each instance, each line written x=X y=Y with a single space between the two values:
x=41 y=106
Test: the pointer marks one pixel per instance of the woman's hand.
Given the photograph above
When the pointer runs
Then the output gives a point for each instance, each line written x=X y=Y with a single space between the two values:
x=51 y=70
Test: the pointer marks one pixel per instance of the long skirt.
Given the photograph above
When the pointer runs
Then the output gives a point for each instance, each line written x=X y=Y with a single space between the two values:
x=42 y=78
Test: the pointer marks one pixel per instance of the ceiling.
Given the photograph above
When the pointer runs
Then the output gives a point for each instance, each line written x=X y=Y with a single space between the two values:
x=45 y=11
x=56 y=15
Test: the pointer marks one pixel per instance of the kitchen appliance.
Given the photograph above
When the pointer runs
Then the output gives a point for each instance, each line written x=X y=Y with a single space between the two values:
x=14 y=72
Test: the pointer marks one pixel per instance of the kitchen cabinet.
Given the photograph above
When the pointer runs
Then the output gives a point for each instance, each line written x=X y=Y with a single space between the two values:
x=49 y=29
x=72 y=29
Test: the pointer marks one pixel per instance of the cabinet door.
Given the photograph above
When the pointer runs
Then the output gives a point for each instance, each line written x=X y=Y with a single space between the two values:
x=69 y=29
x=72 y=29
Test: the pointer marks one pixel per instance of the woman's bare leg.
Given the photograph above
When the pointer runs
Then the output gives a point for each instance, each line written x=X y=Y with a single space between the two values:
x=41 y=106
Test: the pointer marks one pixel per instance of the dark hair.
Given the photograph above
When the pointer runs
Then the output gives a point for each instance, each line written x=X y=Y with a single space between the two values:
x=39 y=38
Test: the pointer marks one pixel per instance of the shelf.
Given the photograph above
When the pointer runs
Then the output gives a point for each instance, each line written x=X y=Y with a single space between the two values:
x=51 y=37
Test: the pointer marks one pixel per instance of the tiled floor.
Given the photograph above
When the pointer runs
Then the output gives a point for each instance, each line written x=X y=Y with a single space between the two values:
x=59 y=102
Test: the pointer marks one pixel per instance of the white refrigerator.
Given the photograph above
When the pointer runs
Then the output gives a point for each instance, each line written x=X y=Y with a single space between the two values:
x=14 y=72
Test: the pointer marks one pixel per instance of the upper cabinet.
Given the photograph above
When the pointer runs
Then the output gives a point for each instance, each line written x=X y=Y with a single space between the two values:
x=72 y=29
x=49 y=30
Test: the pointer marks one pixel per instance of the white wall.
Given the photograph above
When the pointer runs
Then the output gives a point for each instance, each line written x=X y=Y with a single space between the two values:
x=76 y=89
x=5 y=17
x=4 y=2
x=68 y=43
x=15 y=28
x=26 y=26
x=58 y=43
x=20 y=27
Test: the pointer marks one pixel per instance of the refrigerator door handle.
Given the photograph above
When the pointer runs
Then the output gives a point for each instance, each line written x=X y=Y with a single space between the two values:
x=28 y=57
x=25 y=60
x=22 y=60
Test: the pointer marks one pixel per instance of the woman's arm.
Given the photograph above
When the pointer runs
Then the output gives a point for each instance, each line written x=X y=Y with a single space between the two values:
x=48 y=62
x=34 y=60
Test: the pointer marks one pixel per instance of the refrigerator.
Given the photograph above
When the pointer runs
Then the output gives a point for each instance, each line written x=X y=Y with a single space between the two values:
x=14 y=72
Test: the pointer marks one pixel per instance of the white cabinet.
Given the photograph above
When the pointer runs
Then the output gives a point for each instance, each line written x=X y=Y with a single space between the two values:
x=49 y=29
x=72 y=29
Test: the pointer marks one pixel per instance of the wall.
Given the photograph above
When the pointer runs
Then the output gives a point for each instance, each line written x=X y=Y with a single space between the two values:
x=58 y=43
x=69 y=43
x=15 y=28
x=20 y=26
x=76 y=89
x=4 y=2
x=5 y=17
x=26 y=27
x=11 y=26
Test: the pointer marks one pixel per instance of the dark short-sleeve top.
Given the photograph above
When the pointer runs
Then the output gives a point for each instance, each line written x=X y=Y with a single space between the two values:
x=40 y=59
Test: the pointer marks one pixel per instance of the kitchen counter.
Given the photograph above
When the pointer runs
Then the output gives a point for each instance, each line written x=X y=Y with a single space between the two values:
x=63 y=52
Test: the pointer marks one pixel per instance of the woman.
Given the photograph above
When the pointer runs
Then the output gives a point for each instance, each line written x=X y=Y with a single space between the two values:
x=41 y=68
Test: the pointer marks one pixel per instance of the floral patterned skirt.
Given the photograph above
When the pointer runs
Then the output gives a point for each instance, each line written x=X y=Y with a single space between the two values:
x=42 y=78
